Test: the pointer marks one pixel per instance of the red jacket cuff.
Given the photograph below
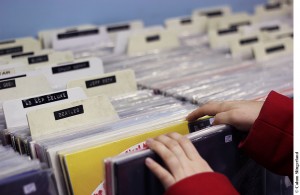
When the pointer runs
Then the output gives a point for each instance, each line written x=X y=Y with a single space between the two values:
x=203 y=183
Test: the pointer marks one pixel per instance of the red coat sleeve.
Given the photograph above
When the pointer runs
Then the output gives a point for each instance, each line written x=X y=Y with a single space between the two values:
x=203 y=183
x=270 y=140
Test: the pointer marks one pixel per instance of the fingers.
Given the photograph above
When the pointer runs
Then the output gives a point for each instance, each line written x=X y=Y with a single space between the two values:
x=167 y=156
x=162 y=174
x=211 y=109
x=186 y=145
x=223 y=118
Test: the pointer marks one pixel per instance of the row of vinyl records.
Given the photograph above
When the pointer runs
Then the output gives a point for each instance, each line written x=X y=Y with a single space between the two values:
x=60 y=107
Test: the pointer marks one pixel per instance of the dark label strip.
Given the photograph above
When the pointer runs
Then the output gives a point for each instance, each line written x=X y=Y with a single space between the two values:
x=118 y=28
x=186 y=21
x=45 y=99
x=273 y=6
x=78 y=34
x=285 y=35
x=22 y=55
x=270 y=28
x=7 y=42
x=235 y=25
x=227 y=31
x=153 y=38
x=212 y=13
x=38 y=59
x=7 y=84
x=274 y=49
x=11 y=50
x=66 y=113
x=71 y=67
x=248 y=41
x=14 y=77
x=100 y=82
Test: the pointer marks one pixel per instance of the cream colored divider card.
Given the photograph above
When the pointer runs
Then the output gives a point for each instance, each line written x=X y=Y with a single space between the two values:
x=280 y=34
x=10 y=69
x=236 y=20
x=19 y=56
x=271 y=10
x=142 y=43
x=110 y=84
x=15 y=46
x=15 y=110
x=220 y=39
x=268 y=50
x=187 y=25
x=114 y=29
x=242 y=47
x=22 y=86
x=213 y=15
x=45 y=36
x=70 y=115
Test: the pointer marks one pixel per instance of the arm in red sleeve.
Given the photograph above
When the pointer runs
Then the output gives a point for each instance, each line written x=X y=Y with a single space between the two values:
x=203 y=183
x=270 y=141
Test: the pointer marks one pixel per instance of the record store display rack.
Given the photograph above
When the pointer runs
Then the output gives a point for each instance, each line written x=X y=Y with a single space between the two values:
x=78 y=103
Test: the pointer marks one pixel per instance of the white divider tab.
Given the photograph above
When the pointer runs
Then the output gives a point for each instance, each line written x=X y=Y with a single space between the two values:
x=60 y=75
x=142 y=43
x=22 y=86
x=220 y=39
x=18 y=46
x=72 y=40
x=187 y=25
x=15 y=110
x=284 y=33
x=114 y=29
x=243 y=46
x=268 y=50
x=70 y=116
x=212 y=12
x=110 y=84
x=271 y=10
x=46 y=36
x=122 y=38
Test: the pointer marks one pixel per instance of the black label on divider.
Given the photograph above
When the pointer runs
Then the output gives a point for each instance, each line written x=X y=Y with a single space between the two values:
x=275 y=49
x=235 y=25
x=13 y=77
x=228 y=31
x=248 y=41
x=198 y=125
x=66 y=113
x=153 y=38
x=22 y=55
x=11 y=50
x=186 y=21
x=7 y=42
x=70 y=67
x=273 y=6
x=101 y=81
x=45 y=99
x=118 y=28
x=7 y=84
x=76 y=33
x=38 y=59
x=213 y=14
x=270 y=28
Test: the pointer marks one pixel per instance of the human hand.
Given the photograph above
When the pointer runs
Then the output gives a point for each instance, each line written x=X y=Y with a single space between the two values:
x=240 y=114
x=180 y=157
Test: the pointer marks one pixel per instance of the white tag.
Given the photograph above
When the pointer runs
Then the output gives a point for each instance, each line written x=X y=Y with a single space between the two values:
x=236 y=20
x=281 y=34
x=79 y=39
x=187 y=25
x=110 y=84
x=122 y=38
x=15 y=46
x=23 y=86
x=271 y=10
x=70 y=115
x=243 y=46
x=60 y=75
x=15 y=110
x=269 y=50
x=213 y=15
x=220 y=39
x=29 y=188
x=45 y=36
x=142 y=43
x=228 y=138
x=114 y=29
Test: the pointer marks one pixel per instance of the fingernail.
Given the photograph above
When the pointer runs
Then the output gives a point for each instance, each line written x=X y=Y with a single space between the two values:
x=148 y=161
x=148 y=141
